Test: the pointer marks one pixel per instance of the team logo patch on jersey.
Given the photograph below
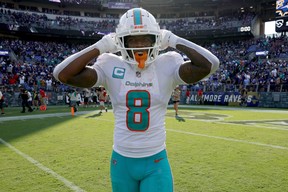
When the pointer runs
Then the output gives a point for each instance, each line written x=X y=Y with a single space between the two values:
x=138 y=74
x=118 y=73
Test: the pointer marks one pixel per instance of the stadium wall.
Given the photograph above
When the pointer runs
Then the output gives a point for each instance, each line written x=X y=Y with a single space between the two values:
x=253 y=99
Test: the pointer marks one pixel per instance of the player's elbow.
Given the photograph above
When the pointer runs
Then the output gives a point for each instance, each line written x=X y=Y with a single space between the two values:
x=59 y=75
x=208 y=68
x=62 y=78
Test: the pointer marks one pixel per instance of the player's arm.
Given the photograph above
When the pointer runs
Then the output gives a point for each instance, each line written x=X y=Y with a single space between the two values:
x=202 y=62
x=74 y=70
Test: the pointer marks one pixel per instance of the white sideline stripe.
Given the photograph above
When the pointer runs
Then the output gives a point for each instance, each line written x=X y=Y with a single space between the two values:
x=255 y=109
x=217 y=137
x=254 y=126
x=222 y=138
x=196 y=134
x=69 y=184
x=38 y=116
x=229 y=139
x=221 y=121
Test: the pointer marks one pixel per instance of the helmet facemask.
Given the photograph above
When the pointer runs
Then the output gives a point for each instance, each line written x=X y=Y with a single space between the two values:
x=137 y=22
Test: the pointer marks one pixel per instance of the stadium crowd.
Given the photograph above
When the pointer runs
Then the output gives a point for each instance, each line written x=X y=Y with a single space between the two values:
x=186 y=25
x=29 y=64
x=34 y=61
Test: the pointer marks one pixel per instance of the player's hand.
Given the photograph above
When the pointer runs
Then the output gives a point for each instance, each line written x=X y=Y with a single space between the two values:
x=168 y=39
x=107 y=44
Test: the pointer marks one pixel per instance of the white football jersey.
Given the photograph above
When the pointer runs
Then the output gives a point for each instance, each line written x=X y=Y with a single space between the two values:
x=139 y=100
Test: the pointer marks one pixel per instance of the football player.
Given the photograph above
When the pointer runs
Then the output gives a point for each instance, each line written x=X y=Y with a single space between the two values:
x=140 y=83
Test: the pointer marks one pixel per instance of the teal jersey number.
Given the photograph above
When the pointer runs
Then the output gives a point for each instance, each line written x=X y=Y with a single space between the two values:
x=137 y=115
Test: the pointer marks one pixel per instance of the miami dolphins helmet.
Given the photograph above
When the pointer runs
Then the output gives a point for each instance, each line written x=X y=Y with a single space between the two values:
x=138 y=21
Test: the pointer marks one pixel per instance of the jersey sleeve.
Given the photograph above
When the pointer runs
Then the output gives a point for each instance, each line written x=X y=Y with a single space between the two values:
x=179 y=61
x=99 y=65
x=176 y=60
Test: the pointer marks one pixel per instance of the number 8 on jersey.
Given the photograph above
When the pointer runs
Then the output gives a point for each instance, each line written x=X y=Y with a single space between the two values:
x=137 y=115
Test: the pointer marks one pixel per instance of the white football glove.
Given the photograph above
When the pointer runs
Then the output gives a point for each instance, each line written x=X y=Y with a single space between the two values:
x=168 y=39
x=107 y=44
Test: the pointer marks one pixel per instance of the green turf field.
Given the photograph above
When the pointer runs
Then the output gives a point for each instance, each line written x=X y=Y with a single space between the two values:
x=212 y=149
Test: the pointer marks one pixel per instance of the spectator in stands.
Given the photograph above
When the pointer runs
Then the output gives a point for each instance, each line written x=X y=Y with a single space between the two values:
x=48 y=84
x=133 y=83
x=22 y=80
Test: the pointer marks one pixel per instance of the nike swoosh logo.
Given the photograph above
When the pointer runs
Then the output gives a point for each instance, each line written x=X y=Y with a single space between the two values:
x=158 y=160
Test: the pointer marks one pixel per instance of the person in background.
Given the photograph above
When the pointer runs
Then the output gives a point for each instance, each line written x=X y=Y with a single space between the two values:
x=79 y=98
x=67 y=99
x=94 y=95
x=102 y=96
x=187 y=96
x=200 y=96
x=43 y=97
x=30 y=99
x=24 y=97
x=2 y=103
x=87 y=96
x=244 y=94
x=176 y=94
x=140 y=83
x=74 y=99
x=36 y=99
